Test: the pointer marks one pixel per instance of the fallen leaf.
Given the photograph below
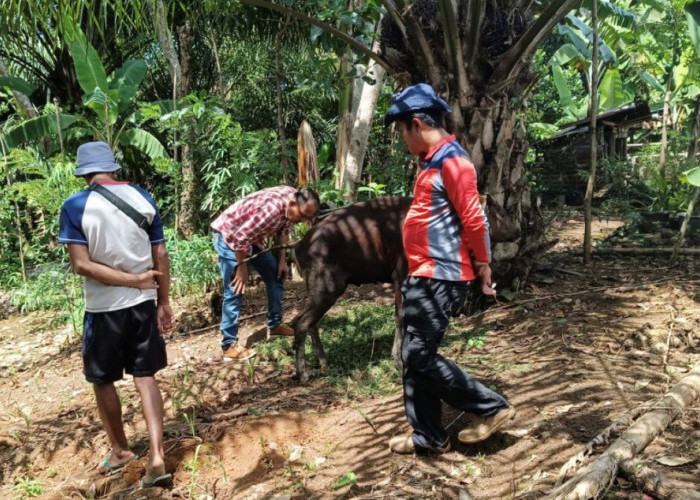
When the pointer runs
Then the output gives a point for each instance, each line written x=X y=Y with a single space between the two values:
x=672 y=461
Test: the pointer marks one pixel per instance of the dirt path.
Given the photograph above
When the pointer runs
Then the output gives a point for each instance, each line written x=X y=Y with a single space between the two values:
x=576 y=351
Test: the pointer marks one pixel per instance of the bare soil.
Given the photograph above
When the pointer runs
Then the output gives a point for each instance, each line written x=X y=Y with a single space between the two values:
x=578 y=348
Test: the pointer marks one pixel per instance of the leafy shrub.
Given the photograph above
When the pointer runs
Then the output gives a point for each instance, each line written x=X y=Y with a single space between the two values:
x=193 y=263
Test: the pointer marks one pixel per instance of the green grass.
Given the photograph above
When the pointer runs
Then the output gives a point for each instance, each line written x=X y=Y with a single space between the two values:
x=470 y=339
x=358 y=345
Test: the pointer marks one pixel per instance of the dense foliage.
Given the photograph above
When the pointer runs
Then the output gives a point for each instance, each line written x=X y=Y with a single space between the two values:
x=100 y=69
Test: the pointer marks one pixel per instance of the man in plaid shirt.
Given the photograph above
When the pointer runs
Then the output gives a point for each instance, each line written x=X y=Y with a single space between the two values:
x=239 y=232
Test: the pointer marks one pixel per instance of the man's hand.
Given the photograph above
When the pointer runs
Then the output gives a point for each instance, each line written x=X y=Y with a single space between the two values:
x=147 y=280
x=240 y=279
x=483 y=271
x=282 y=270
x=165 y=318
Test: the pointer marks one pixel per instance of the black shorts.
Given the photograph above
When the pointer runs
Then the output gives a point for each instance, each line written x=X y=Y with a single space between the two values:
x=121 y=341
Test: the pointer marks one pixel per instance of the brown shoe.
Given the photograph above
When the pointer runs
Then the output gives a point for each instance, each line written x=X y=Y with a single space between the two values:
x=483 y=427
x=237 y=353
x=402 y=444
x=280 y=330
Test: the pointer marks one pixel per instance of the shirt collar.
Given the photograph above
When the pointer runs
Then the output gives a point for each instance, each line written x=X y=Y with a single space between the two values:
x=440 y=144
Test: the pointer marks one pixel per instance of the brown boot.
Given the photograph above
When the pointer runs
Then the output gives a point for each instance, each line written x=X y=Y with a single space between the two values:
x=280 y=330
x=483 y=427
x=236 y=352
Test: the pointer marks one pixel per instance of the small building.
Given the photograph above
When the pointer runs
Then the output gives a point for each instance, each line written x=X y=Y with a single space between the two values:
x=566 y=157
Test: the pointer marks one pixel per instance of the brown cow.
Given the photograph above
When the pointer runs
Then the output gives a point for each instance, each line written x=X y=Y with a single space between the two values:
x=360 y=244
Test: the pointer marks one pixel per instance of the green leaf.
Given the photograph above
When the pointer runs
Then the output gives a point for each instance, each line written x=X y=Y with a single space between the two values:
x=651 y=81
x=577 y=39
x=606 y=52
x=347 y=479
x=88 y=66
x=562 y=86
x=566 y=53
x=127 y=80
x=36 y=128
x=692 y=12
x=611 y=92
x=143 y=141
x=17 y=84
x=693 y=176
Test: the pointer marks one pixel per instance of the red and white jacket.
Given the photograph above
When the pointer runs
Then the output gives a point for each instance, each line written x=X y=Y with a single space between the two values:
x=446 y=225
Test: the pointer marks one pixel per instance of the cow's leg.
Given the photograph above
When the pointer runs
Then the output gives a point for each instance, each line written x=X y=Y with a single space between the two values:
x=325 y=284
x=318 y=349
x=301 y=325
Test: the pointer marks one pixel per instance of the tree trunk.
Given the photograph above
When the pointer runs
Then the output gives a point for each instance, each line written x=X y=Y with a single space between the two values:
x=179 y=66
x=368 y=95
x=593 y=112
x=596 y=477
x=281 y=135
x=664 y=130
x=219 y=88
x=345 y=123
x=694 y=131
x=684 y=227
x=166 y=42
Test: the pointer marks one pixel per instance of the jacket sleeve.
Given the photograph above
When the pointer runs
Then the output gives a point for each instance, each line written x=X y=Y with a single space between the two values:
x=459 y=178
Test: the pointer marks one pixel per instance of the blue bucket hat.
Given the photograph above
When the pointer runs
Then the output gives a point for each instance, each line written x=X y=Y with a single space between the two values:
x=95 y=157
x=418 y=97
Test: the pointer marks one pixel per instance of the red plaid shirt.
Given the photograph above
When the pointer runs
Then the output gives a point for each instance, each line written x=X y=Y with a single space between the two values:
x=252 y=219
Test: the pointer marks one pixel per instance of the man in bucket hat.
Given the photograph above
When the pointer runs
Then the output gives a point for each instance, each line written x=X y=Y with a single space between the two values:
x=126 y=273
x=446 y=240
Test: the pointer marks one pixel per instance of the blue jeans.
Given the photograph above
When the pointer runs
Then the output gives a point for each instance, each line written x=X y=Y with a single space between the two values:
x=429 y=377
x=266 y=265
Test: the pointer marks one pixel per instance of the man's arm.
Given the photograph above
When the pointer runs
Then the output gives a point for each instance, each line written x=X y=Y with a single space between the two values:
x=84 y=266
x=161 y=263
x=240 y=279
x=459 y=178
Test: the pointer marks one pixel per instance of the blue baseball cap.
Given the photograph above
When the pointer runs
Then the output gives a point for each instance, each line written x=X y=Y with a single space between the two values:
x=418 y=97
x=95 y=157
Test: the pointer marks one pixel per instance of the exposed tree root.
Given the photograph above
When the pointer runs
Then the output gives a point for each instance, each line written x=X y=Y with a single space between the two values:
x=596 y=478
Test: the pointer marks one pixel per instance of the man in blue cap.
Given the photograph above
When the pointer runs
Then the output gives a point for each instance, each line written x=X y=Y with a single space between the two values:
x=126 y=273
x=446 y=240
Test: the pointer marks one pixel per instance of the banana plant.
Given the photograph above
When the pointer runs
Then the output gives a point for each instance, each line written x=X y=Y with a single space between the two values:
x=108 y=99
x=576 y=54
